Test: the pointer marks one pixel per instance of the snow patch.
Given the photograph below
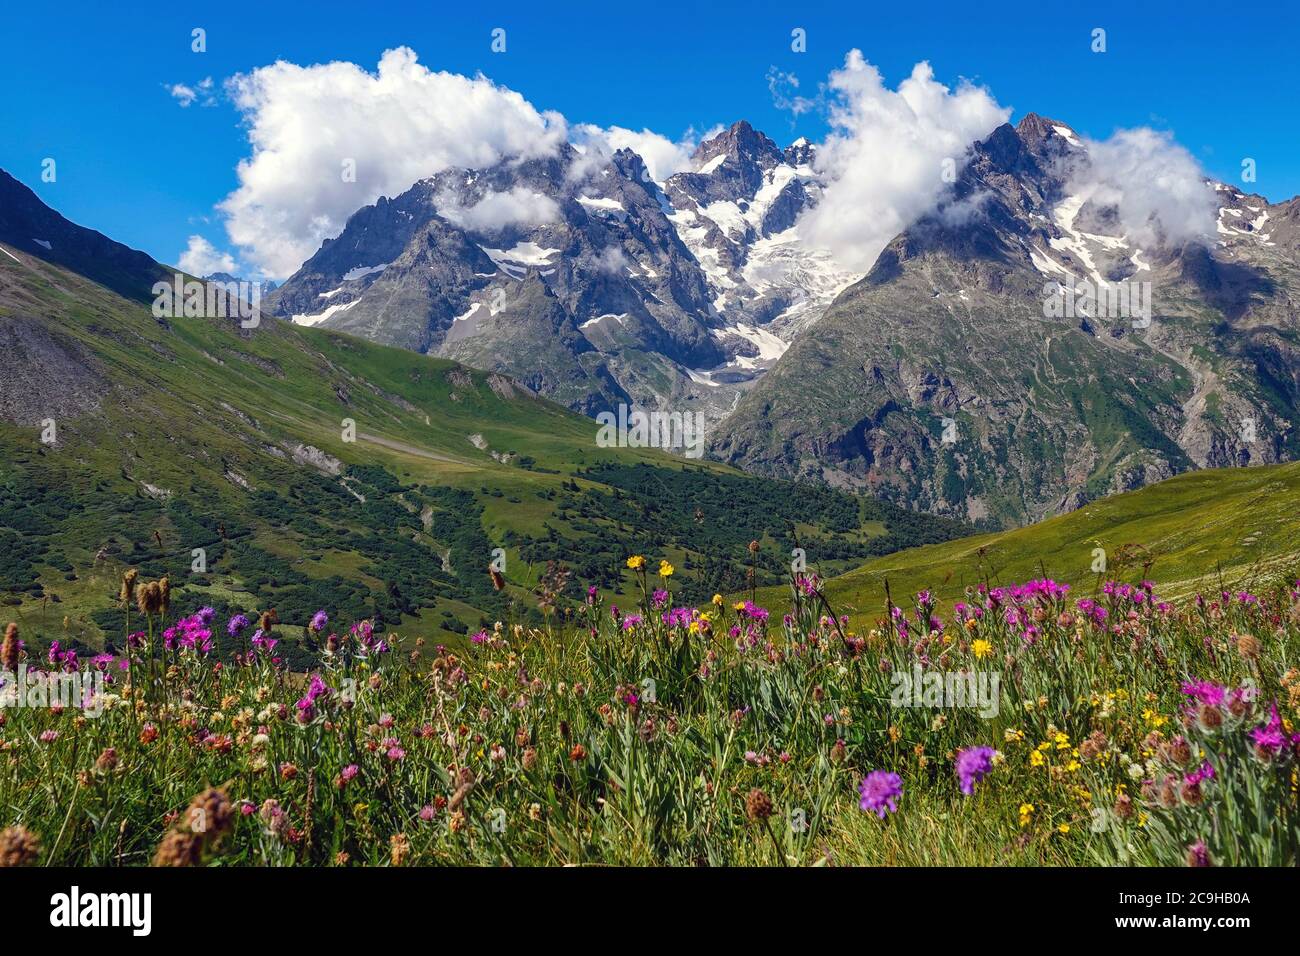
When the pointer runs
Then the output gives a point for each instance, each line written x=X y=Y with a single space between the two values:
x=770 y=348
x=362 y=271
x=1067 y=134
x=515 y=262
x=712 y=164
x=619 y=316
x=603 y=205
x=320 y=317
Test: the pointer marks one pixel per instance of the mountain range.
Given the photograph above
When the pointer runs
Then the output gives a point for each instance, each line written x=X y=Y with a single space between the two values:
x=583 y=277
x=943 y=379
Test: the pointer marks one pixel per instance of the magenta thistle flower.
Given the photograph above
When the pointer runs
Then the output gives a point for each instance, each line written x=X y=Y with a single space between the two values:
x=1205 y=692
x=972 y=766
x=880 y=791
x=1270 y=739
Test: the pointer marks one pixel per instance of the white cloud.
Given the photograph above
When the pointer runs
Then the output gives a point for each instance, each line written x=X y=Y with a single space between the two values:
x=400 y=124
x=202 y=93
x=185 y=95
x=201 y=258
x=1156 y=186
x=613 y=260
x=884 y=158
x=662 y=156
x=783 y=87
x=496 y=210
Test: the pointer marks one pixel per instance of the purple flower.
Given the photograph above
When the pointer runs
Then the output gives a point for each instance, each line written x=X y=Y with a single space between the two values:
x=237 y=625
x=318 y=622
x=1270 y=739
x=318 y=688
x=972 y=766
x=880 y=791
x=677 y=617
x=260 y=639
x=1205 y=692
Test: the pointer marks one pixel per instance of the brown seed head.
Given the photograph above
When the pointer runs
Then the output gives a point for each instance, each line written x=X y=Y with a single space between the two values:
x=1248 y=646
x=127 y=594
x=758 y=805
x=149 y=598
x=11 y=649
x=18 y=846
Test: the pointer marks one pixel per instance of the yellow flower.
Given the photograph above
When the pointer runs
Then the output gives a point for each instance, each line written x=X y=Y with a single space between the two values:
x=1153 y=718
x=738 y=606
x=981 y=648
x=1063 y=827
x=1026 y=813
x=665 y=569
x=717 y=599
x=636 y=562
x=1036 y=758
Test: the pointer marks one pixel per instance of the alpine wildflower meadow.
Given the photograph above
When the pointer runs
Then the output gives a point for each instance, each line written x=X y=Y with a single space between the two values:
x=1128 y=730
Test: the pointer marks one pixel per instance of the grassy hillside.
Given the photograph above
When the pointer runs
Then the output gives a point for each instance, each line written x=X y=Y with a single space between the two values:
x=1231 y=527
x=316 y=470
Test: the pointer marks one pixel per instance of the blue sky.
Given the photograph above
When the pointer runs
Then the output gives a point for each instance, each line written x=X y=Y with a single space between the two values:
x=87 y=84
